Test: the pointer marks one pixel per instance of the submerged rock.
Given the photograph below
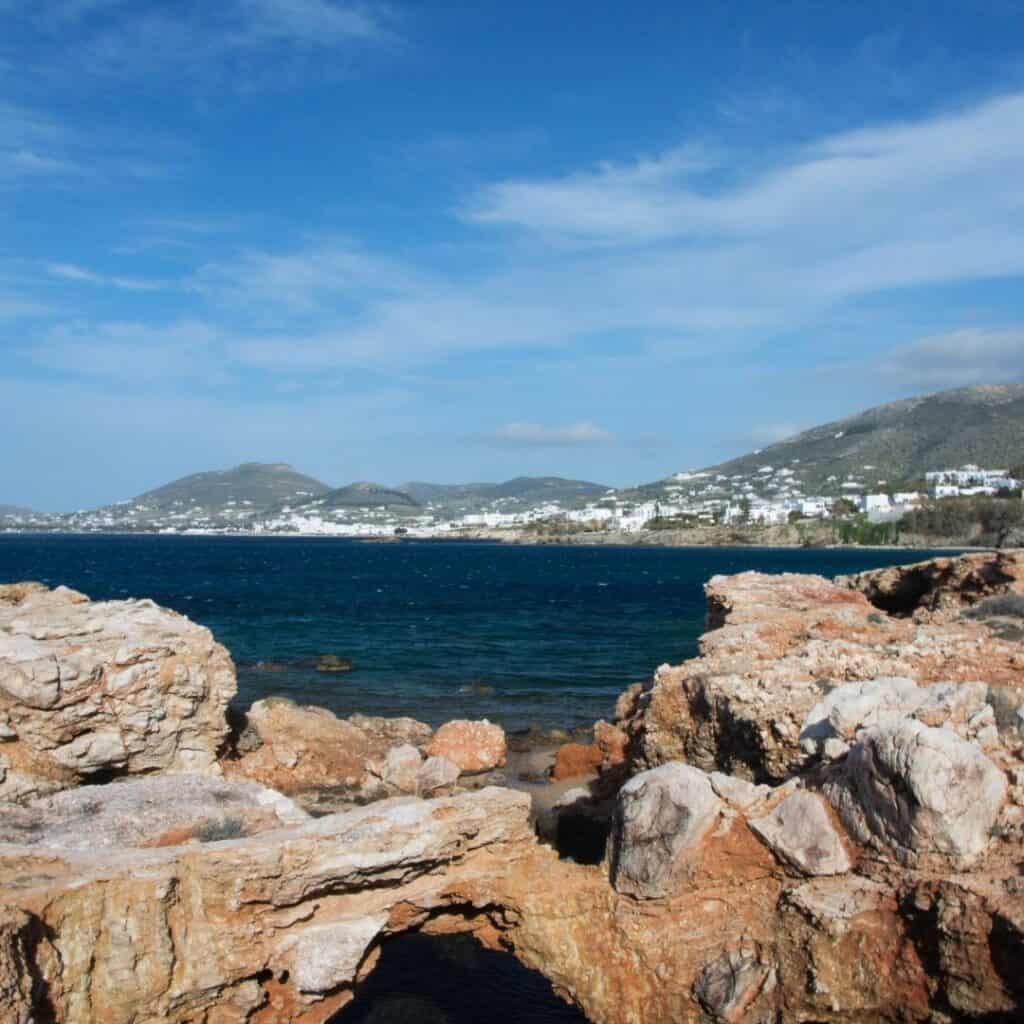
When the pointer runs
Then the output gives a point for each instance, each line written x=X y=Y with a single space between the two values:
x=333 y=663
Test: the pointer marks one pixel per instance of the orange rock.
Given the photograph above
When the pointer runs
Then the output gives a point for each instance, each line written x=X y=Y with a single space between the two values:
x=470 y=746
x=576 y=759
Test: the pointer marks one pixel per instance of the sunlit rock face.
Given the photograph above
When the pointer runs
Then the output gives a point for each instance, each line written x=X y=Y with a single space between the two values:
x=93 y=689
x=761 y=700
x=851 y=851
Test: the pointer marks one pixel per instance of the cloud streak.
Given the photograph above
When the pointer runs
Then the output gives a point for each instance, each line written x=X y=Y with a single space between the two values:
x=72 y=272
x=969 y=355
x=112 y=38
x=535 y=435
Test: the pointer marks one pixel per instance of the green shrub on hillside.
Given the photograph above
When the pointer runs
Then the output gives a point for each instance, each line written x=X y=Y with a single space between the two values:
x=859 y=529
x=966 y=518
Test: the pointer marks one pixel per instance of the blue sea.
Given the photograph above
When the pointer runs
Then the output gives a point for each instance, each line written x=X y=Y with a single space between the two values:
x=526 y=636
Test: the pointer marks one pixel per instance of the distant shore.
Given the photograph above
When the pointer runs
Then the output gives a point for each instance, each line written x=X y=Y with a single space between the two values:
x=712 y=537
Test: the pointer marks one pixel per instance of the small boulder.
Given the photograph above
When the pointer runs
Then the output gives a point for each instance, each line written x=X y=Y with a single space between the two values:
x=661 y=815
x=437 y=776
x=471 y=746
x=573 y=760
x=800 y=832
x=392 y=732
x=921 y=793
x=402 y=768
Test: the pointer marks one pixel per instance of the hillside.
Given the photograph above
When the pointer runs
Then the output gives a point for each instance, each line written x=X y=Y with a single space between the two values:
x=529 y=490
x=257 y=485
x=901 y=441
x=360 y=495
x=15 y=510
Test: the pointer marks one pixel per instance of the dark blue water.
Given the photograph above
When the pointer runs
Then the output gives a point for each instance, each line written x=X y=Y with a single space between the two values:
x=522 y=635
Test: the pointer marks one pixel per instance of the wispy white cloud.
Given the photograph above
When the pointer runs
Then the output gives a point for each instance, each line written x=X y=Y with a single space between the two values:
x=969 y=355
x=142 y=40
x=72 y=272
x=14 y=307
x=130 y=351
x=536 y=435
x=853 y=183
x=315 y=278
x=645 y=263
x=314 y=22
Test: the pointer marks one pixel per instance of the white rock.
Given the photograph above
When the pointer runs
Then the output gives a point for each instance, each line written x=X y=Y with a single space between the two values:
x=660 y=816
x=851 y=707
x=323 y=957
x=920 y=792
x=800 y=832
x=402 y=767
x=436 y=775
x=738 y=792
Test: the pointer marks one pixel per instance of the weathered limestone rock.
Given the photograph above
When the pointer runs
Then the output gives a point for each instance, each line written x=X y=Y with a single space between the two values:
x=834 y=723
x=159 y=810
x=738 y=792
x=437 y=776
x=279 y=921
x=104 y=688
x=402 y=768
x=325 y=957
x=661 y=815
x=922 y=794
x=471 y=746
x=941 y=588
x=249 y=913
x=777 y=649
x=800 y=831
x=393 y=732
x=311 y=754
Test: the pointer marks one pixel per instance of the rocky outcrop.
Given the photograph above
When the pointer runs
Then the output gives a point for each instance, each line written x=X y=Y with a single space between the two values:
x=328 y=763
x=162 y=810
x=940 y=588
x=99 y=689
x=268 y=927
x=880 y=882
x=765 y=698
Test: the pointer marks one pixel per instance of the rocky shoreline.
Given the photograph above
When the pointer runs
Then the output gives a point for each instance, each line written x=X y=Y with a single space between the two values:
x=818 y=818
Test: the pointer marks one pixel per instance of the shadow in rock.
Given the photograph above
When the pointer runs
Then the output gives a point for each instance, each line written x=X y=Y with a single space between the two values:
x=452 y=979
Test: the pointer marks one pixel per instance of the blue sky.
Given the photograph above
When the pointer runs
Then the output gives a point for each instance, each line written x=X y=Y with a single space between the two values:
x=466 y=241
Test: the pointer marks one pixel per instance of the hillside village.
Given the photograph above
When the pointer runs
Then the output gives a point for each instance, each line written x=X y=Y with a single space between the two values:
x=773 y=495
x=874 y=469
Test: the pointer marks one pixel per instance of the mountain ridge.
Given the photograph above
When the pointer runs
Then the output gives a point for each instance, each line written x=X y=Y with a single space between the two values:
x=898 y=442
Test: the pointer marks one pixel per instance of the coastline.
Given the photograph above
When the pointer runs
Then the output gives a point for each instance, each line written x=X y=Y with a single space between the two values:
x=644 y=538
